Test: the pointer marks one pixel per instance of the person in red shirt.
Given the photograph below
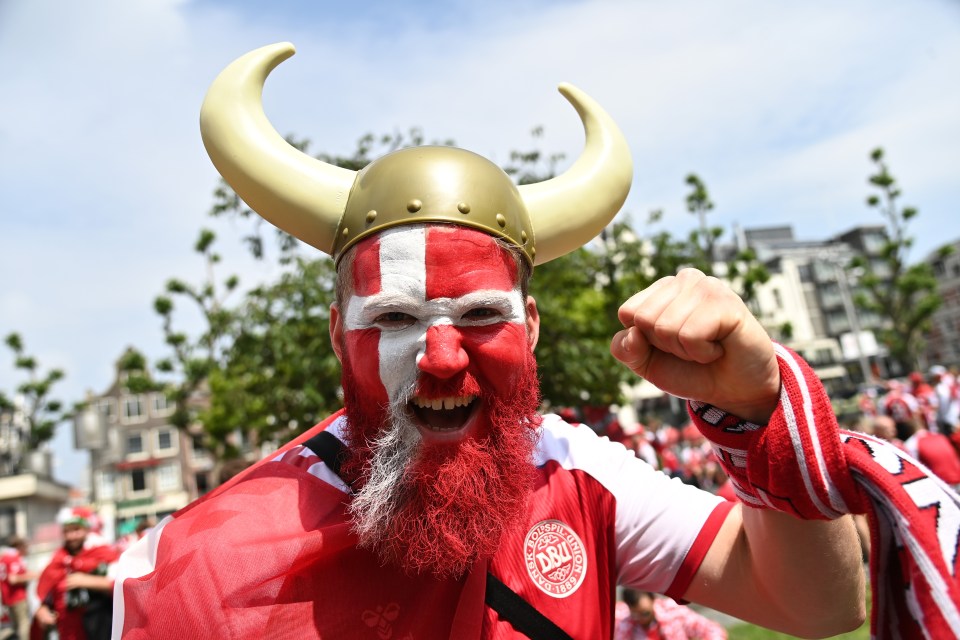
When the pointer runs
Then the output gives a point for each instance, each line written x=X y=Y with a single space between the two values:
x=14 y=578
x=927 y=400
x=641 y=615
x=937 y=452
x=75 y=588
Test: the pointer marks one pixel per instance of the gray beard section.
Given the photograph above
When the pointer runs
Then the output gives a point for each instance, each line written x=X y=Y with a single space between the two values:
x=374 y=506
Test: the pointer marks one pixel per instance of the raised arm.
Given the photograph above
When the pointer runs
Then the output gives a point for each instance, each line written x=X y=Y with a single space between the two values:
x=693 y=337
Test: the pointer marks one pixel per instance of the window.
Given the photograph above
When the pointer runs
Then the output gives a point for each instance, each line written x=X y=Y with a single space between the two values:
x=134 y=443
x=161 y=405
x=203 y=483
x=108 y=409
x=777 y=299
x=168 y=477
x=106 y=487
x=165 y=440
x=138 y=480
x=199 y=451
x=133 y=409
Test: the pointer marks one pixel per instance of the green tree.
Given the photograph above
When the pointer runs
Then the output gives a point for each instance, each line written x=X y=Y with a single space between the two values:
x=34 y=417
x=194 y=361
x=279 y=375
x=904 y=295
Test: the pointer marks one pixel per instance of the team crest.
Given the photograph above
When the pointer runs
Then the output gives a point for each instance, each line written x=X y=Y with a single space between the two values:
x=555 y=558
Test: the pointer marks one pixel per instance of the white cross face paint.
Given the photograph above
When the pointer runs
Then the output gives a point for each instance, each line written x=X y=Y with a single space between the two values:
x=431 y=305
x=403 y=313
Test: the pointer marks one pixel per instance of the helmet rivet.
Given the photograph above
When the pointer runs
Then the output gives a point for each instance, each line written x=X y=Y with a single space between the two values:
x=501 y=220
x=371 y=216
x=533 y=252
x=346 y=232
x=463 y=207
x=523 y=237
x=414 y=205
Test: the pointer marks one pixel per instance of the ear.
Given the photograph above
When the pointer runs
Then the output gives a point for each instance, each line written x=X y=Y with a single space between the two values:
x=533 y=322
x=336 y=331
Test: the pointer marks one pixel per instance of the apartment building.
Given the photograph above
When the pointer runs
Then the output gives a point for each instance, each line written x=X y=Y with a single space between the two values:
x=141 y=466
x=943 y=342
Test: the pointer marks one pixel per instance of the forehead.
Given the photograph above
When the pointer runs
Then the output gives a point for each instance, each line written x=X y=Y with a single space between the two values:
x=446 y=261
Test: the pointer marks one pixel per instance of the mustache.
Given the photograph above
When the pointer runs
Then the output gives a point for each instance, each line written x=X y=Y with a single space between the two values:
x=463 y=384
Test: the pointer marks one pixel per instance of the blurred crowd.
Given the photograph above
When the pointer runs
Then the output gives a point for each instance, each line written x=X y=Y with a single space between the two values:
x=67 y=595
x=921 y=415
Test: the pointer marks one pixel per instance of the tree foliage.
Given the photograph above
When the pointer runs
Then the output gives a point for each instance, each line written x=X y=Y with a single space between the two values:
x=904 y=295
x=30 y=411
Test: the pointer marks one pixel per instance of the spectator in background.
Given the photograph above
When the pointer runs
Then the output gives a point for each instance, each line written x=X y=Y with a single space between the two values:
x=899 y=404
x=640 y=615
x=936 y=451
x=885 y=428
x=14 y=578
x=926 y=400
x=75 y=588
x=947 y=390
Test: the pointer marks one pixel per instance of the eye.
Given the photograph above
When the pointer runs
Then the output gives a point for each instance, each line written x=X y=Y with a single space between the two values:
x=482 y=313
x=394 y=320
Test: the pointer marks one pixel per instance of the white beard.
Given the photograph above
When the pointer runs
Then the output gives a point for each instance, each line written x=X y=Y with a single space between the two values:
x=374 y=506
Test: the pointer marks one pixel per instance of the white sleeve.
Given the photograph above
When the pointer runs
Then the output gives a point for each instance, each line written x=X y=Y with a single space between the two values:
x=658 y=518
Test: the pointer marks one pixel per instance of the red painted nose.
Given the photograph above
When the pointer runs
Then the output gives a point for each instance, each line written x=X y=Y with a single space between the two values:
x=444 y=356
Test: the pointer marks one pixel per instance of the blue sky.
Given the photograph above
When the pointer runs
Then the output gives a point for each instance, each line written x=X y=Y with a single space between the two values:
x=776 y=106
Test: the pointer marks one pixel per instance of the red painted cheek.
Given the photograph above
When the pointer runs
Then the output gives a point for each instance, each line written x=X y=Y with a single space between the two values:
x=363 y=358
x=497 y=353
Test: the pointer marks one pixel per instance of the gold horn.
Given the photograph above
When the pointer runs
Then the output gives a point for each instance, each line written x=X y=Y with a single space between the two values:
x=299 y=194
x=573 y=208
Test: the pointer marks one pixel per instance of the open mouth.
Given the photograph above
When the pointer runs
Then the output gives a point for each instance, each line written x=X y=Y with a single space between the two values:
x=442 y=415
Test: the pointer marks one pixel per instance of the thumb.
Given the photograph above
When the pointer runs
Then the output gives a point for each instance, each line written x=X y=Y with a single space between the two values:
x=632 y=349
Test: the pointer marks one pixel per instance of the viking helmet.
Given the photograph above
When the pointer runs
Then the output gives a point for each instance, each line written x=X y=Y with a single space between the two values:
x=332 y=208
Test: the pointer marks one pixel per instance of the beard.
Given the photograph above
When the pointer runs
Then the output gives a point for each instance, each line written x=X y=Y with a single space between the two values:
x=439 y=508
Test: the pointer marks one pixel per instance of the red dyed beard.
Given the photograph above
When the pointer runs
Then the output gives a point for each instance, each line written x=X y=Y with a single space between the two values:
x=444 y=506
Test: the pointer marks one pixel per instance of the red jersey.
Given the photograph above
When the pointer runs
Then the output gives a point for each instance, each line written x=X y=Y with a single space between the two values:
x=936 y=451
x=96 y=557
x=11 y=564
x=274 y=550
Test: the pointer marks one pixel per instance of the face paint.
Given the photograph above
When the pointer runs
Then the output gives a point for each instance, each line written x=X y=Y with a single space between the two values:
x=437 y=320
x=435 y=308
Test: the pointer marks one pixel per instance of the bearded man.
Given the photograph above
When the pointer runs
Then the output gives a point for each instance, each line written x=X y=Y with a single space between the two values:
x=440 y=503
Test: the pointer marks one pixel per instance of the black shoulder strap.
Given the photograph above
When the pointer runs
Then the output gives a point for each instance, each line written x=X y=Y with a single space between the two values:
x=329 y=449
x=520 y=613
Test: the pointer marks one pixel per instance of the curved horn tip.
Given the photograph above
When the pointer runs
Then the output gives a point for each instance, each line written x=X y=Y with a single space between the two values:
x=279 y=51
x=570 y=91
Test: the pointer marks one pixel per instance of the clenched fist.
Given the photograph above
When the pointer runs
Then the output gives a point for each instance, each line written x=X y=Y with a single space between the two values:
x=693 y=337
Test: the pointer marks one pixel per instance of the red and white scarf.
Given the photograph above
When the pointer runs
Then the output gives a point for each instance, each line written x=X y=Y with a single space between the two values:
x=802 y=463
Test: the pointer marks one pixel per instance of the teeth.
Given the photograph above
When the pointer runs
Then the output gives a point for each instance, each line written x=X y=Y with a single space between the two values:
x=450 y=402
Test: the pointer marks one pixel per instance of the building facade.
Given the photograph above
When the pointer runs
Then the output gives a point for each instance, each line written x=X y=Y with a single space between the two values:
x=943 y=342
x=808 y=303
x=29 y=495
x=141 y=465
